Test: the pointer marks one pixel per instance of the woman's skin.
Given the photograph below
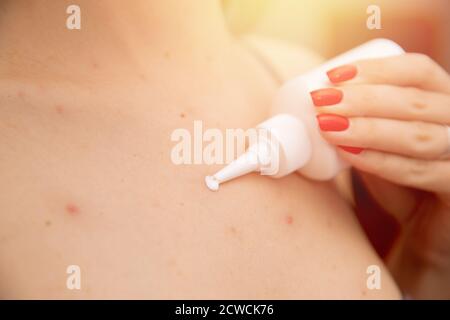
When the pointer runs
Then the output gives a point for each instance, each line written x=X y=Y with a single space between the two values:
x=398 y=110
x=86 y=177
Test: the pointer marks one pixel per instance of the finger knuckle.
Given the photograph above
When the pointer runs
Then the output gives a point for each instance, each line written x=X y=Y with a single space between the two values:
x=418 y=105
x=423 y=140
x=417 y=172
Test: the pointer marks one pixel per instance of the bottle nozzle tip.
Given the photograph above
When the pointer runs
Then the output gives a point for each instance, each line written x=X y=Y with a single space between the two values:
x=212 y=183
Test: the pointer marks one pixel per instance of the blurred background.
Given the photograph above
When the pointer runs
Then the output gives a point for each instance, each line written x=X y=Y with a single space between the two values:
x=333 y=26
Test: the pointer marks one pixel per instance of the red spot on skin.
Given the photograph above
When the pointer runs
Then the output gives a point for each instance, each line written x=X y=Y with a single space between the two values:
x=289 y=220
x=95 y=65
x=21 y=94
x=72 y=209
x=59 y=109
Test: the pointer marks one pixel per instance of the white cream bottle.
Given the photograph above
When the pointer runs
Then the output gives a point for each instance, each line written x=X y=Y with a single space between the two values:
x=295 y=143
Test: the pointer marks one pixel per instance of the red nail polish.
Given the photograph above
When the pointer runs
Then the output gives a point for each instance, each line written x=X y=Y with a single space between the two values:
x=354 y=150
x=342 y=73
x=326 y=97
x=331 y=122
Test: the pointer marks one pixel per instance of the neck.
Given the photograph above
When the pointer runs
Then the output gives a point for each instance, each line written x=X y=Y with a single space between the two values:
x=113 y=32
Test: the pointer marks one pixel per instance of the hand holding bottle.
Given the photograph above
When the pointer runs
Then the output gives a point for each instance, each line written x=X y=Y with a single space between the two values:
x=390 y=118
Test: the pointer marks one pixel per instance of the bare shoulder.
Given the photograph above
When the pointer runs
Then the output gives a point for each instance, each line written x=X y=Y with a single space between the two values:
x=123 y=211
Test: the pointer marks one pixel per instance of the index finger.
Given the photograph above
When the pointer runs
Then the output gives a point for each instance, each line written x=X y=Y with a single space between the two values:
x=410 y=69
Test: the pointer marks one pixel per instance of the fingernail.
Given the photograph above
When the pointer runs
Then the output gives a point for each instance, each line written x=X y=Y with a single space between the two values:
x=342 y=73
x=326 y=97
x=354 y=150
x=331 y=122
